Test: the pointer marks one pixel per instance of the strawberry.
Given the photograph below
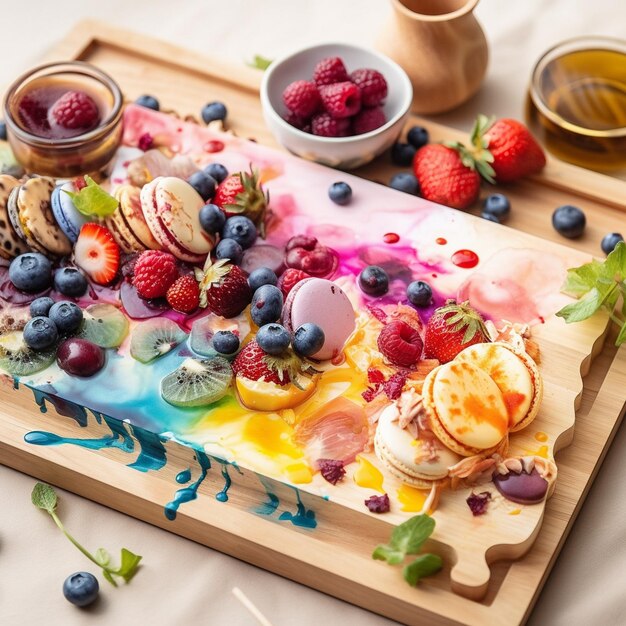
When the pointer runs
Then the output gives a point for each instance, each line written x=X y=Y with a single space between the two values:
x=400 y=344
x=184 y=294
x=452 y=328
x=290 y=278
x=241 y=193
x=252 y=363
x=514 y=152
x=224 y=288
x=96 y=253
x=447 y=175
x=154 y=273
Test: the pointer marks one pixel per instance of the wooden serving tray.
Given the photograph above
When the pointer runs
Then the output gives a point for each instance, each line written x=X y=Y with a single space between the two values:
x=334 y=559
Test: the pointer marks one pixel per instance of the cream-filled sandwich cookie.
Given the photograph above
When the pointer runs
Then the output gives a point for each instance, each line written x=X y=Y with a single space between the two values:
x=466 y=409
x=516 y=375
x=11 y=244
x=130 y=209
x=171 y=207
x=36 y=220
x=418 y=462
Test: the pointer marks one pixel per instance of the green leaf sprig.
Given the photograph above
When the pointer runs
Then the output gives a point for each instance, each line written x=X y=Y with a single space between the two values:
x=92 y=200
x=598 y=285
x=44 y=497
x=408 y=538
x=259 y=62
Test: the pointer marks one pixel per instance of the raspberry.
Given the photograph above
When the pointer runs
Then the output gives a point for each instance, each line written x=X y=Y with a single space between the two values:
x=378 y=504
x=155 y=272
x=289 y=279
x=372 y=84
x=400 y=344
x=368 y=119
x=341 y=99
x=302 y=98
x=184 y=294
x=331 y=470
x=298 y=122
x=326 y=126
x=75 y=109
x=330 y=70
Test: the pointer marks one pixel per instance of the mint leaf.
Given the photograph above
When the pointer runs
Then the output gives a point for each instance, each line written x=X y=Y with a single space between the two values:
x=259 y=62
x=410 y=535
x=621 y=338
x=129 y=565
x=581 y=279
x=92 y=200
x=424 y=565
x=615 y=263
x=583 y=309
x=44 y=497
x=385 y=552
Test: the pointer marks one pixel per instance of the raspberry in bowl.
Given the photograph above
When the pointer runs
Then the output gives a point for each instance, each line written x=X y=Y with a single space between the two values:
x=64 y=119
x=337 y=104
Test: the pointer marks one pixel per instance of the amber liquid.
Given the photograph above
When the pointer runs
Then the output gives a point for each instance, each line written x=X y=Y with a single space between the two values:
x=585 y=89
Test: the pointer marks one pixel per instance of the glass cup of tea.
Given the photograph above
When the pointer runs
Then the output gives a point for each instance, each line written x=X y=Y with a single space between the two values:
x=576 y=104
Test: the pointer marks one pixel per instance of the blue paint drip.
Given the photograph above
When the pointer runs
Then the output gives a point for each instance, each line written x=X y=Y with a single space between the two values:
x=62 y=406
x=152 y=452
x=222 y=496
x=269 y=507
x=183 y=477
x=187 y=494
x=303 y=517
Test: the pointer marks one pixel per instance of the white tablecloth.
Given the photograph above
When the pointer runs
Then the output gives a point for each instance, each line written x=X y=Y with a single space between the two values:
x=182 y=582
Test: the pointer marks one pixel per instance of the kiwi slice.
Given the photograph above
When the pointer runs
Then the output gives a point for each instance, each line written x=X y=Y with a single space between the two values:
x=197 y=383
x=104 y=325
x=154 y=338
x=18 y=359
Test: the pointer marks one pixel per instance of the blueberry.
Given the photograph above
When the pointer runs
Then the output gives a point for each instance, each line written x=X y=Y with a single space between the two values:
x=229 y=249
x=262 y=276
x=569 y=221
x=40 y=333
x=405 y=182
x=490 y=217
x=67 y=316
x=203 y=183
x=217 y=171
x=417 y=136
x=213 y=111
x=419 y=293
x=497 y=204
x=41 y=306
x=340 y=193
x=273 y=338
x=610 y=241
x=212 y=219
x=308 y=339
x=402 y=154
x=70 y=281
x=81 y=588
x=241 y=229
x=374 y=281
x=267 y=305
x=3 y=130
x=225 y=342
x=150 y=102
x=31 y=272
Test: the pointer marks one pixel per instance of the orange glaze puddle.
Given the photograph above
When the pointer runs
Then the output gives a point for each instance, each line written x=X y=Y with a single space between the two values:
x=541 y=436
x=515 y=512
x=477 y=410
x=542 y=451
x=411 y=499
x=368 y=475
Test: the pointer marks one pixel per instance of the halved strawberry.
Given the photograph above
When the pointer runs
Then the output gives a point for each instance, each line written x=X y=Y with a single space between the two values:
x=96 y=253
x=252 y=363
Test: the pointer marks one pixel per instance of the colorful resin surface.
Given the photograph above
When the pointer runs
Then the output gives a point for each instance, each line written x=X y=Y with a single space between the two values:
x=460 y=256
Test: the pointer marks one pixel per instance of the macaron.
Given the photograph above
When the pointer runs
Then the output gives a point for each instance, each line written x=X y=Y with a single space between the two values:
x=11 y=244
x=516 y=375
x=466 y=409
x=68 y=217
x=31 y=215
x=322 y=302
x=416 y=462
x=171 y=207
x=131 y=212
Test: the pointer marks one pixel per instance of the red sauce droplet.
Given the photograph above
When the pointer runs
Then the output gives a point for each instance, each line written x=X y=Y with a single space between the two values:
x=213 y=146
x=465 y=259
x=434 y=275
x=441 y=241
x=542 y=319
x=391 y=238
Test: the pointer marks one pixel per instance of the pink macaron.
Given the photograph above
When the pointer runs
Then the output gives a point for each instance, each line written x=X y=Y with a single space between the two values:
x=322 y=302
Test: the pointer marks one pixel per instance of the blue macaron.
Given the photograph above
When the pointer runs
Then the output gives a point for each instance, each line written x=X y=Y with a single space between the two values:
x=66 y=214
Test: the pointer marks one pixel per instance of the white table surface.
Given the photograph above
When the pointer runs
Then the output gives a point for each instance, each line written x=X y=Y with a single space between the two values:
x=181 y=582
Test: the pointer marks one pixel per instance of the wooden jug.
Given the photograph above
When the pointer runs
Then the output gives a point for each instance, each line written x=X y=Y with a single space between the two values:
x=441 y=46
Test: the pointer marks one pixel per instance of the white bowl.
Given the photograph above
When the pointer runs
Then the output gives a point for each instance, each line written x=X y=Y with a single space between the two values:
x=340 y=152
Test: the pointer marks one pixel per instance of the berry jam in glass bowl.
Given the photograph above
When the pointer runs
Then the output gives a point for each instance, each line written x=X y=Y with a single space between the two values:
x=64 y=119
